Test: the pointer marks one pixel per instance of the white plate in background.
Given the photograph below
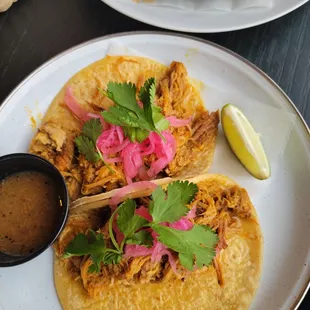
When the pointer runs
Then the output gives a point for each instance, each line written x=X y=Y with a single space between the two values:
x=203 y=21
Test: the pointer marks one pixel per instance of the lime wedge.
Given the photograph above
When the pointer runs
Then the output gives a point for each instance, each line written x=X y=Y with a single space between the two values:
x=244 y=142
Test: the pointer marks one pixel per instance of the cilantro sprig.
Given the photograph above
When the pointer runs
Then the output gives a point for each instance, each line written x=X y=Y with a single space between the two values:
x=86 y=142
x=137 y=122
x=194 y=247
x=94 y=245
x=171 y=207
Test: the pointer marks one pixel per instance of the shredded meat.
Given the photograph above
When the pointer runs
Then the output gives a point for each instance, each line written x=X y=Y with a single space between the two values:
x=216 y=204
x=128 y=272
x=98 y=178
x=219 y=274
x=144 y=201
x=73 y=180
x=204 y=126
x=74 y=266
x=174 y=91
x=203 y=134
x=57 y=146
x=53 y=144
x=177 y=96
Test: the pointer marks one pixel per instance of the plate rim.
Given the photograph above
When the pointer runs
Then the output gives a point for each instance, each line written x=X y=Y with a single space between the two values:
x=306 y=129
x=115 y=7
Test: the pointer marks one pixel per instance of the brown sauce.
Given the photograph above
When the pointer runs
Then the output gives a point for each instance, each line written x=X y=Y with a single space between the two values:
x=29 y=211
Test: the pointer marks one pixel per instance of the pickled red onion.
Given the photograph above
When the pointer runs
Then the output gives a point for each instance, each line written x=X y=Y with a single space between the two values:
x=143 y=176
x=120 y=134
x=132 y=160
x=112 y=140
x=182 y=224
x=117 y=198
x=192 y=213
x=171 y=260
x=112 y=159
x=164 y=150
x=144 y=212
x=75 y=108
x=157 y=251
x=133 y=250
x=148 y=145
x=177 y=122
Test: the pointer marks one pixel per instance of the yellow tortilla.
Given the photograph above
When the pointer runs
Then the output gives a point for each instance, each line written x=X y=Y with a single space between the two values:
x=240 y=264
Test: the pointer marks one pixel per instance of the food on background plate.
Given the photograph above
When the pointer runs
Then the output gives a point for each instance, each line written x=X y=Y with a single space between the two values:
x=126 y=119
x=30 y=210
x=191 y=244
x=244 y=142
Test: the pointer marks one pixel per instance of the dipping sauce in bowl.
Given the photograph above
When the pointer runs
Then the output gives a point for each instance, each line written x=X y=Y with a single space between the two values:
x=29 y=211
x=33 y=207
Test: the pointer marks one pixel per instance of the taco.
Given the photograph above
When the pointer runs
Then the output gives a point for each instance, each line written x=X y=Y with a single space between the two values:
x=125 y=119
x=193 y=244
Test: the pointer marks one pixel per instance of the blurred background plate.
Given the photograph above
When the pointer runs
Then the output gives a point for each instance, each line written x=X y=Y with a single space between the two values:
x=198 y=21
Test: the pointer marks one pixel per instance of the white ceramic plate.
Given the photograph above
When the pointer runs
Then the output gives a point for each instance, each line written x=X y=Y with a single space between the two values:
x=282 y=201
x=203 y=21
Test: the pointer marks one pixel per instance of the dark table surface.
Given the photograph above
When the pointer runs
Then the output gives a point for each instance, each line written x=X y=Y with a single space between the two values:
x=33 y=31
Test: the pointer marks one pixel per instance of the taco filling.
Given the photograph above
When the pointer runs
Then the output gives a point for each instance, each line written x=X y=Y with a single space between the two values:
x=185 y=234
x=105 y=130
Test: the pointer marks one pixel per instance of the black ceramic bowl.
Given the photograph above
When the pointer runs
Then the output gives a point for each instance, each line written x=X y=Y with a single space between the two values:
x=13 y=163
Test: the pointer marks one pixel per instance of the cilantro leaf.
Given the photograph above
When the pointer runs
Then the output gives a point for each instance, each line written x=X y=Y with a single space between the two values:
x=127 y=222
x=152 y=112
x=77 y=247
x=137 y=122
x=93 y=245
x=161 y=123
x=92 y=129
x=141 y=237
x=108 y=258
x=145 y=91
x=195 y=246
x=123 y=117
x=147 y=96
x=124 y=95
x=87 y=147
x=171 y=206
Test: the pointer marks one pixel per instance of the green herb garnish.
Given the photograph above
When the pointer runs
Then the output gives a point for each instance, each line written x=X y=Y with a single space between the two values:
x=195 y=246
x=93 y=245
x=128 y=223
x=86 y=142
x=171 y=207
x=137 y=122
